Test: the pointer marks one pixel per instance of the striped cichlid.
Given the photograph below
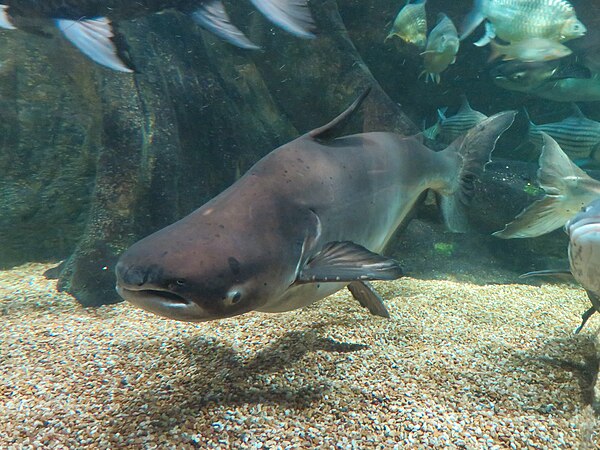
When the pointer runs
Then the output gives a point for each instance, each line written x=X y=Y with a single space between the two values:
x=578 y=136
x=449 y=128
x=518 y=20
x=411 y=24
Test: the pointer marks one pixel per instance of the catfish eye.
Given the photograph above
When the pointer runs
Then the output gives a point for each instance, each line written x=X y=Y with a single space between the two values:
x=233 y=297
x=177 y=283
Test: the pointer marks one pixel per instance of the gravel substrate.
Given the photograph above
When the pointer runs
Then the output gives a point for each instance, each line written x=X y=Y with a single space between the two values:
x=459 y=365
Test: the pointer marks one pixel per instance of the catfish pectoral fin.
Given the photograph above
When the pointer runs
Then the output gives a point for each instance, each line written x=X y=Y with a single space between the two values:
x=93 y=37
x=368 y=298
x=348 y=261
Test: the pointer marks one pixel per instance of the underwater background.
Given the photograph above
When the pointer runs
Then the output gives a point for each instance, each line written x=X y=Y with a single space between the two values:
x=92 y=160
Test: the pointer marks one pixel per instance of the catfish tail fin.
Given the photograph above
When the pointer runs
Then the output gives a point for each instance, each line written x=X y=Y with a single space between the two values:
x=567 y=189
x=474 y=151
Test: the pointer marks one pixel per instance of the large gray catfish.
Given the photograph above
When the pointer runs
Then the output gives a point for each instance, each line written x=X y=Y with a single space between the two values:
x=308 y=219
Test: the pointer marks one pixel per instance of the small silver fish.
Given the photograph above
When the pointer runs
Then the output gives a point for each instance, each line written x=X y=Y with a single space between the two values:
x=442 y=47
x=530 y=50
x=578 y=136
x=518 y=20
x=449 y=128
x=411 y=24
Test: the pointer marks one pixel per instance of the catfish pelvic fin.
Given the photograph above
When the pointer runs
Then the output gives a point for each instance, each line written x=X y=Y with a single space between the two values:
x=347 y=261
x=368 y=298
x=334 y=128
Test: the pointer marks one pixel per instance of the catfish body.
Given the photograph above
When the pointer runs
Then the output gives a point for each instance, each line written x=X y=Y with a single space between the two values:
x=308 y=219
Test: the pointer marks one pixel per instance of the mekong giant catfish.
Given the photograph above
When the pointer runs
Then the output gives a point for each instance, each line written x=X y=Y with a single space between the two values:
x=306 y=220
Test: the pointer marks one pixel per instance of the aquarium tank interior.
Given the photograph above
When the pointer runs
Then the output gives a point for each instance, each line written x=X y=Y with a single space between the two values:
x=299 y=224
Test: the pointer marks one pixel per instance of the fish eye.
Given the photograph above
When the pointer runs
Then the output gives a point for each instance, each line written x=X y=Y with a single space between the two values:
x=174 y=284
x=232 y=298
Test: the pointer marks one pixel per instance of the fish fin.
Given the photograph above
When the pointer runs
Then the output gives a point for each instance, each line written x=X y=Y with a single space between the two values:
x=561 y=274
x=212 y=16
x=496 y=51
x=347 y=261
x=53 y=273
x=368 y=298
x=474 y=151
x=5 y=21
x=441 y=112
x=93 y=37
x=577 y=111
x=488 y=37
x=465 y=106
x=473 y=19
x=334 y=128
x=531 y=124
x=291 y=15
x=584 y=318
x=567 y=189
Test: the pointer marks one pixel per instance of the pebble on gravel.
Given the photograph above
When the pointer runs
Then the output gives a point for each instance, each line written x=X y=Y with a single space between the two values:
x=459 y=365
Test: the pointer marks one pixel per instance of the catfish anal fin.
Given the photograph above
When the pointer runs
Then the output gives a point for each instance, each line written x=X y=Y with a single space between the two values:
x=334 y=128
x=93 y=37
x=347 y=261
x=368 y=298
x=212 y=16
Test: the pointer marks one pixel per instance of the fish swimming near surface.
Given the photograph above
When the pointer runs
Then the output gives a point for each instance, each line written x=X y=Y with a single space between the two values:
x=529 y=50
x=441 y=49
x=567 y=189
x=454 y=126
x=518 y=20
x=410 y=24
x=87 y=24
x=577 y=136
x=308 y=219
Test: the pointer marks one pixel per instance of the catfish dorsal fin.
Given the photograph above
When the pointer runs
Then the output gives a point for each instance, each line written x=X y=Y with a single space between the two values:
x=334 y=128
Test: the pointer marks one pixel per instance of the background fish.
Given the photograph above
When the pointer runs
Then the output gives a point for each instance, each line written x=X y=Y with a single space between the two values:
x=530 y=50
x=87 y=23
x=566 y=187
x=411 y=24
x=452 y=127
x=441 y=50
x=578 y=136
x=517 y=20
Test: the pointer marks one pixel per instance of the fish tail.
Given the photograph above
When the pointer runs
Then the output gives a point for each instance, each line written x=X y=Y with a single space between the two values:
x=567 y=189
x=497 y=51
x=292 y=15
x=474 y=151
x=473 y=19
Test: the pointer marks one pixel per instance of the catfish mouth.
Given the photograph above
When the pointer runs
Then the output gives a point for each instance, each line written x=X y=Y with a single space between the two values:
x=164 y=303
